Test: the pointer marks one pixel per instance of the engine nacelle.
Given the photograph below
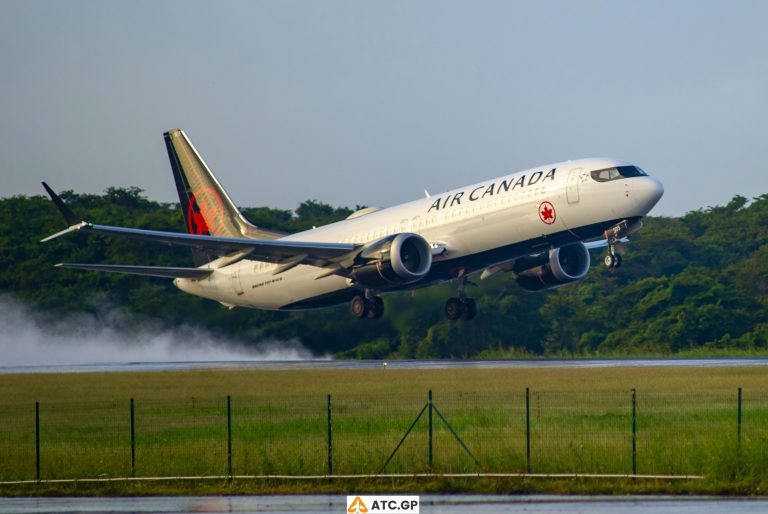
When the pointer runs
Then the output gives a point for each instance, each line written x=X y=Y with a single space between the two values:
x=399 y=259
x=553 y=269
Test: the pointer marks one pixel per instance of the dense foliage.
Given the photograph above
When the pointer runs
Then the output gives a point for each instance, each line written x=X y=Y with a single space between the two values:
x=695 y=282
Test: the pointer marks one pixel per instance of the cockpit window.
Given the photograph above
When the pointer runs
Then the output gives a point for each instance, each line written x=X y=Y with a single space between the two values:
x=606 y=174
x=616 y=173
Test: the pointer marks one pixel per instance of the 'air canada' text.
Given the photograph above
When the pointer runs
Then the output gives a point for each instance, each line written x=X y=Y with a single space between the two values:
x=482 y=191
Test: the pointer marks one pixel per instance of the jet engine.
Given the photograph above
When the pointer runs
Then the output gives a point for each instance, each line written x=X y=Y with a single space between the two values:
x=552 y=269
x=399 y=259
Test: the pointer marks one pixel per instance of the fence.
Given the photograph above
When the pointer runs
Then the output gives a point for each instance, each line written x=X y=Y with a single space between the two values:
x=612 y=432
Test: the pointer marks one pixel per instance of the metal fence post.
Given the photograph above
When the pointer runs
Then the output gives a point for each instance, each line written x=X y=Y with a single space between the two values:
x=739 y=420
x=37 y=440
x=330 y=439
x=634 y=432
x=133 y=440
x=229 y=435
x=430 y=429
x=527 y=430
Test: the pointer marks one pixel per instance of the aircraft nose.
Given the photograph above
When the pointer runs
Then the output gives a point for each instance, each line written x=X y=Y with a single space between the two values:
x=648 y=192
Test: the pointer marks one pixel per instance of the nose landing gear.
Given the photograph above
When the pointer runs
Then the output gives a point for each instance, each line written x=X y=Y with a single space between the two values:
x=618 y=234
x=613 y=259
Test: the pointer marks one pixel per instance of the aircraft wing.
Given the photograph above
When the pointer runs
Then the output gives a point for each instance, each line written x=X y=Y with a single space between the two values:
x=260 y=249
x=289 y=253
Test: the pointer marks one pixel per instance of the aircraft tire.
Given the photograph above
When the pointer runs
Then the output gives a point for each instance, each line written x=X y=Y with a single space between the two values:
x=453 y=308
x=375 y=307
x=617 y=261
x=468 y=309
x=359 y=307
x=610 y=260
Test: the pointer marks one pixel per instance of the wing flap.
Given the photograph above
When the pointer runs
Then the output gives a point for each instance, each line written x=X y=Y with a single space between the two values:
x=149 y=271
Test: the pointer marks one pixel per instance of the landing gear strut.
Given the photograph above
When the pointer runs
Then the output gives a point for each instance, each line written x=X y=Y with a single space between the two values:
x=616 y=234
x=461 y=306
x=370 y=305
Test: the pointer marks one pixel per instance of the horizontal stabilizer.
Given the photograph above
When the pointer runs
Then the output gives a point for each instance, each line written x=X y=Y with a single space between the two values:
x=150 y=271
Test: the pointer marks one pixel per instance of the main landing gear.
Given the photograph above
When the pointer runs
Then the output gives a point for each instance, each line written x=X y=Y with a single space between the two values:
x=368 y=306
x=461 y=306
x=464 y=308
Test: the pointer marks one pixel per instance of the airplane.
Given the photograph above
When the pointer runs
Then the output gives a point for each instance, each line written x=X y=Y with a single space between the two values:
x=538 y=225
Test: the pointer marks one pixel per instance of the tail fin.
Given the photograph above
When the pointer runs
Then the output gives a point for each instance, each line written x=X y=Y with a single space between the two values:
x=206 y=206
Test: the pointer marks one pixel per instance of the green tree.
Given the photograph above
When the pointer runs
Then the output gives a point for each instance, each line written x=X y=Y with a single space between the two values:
x=699 y=281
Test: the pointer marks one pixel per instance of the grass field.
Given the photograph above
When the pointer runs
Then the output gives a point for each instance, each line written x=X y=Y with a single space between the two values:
x=580 y=422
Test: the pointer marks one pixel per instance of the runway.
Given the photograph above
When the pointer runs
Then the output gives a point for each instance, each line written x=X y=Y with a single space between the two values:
x=392 y=364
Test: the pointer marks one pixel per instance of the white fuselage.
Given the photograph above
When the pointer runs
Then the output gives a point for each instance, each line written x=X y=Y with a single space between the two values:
x=472 y=228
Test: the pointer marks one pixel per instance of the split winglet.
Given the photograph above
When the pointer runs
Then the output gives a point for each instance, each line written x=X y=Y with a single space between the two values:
x=68 y=230
x=71 y=217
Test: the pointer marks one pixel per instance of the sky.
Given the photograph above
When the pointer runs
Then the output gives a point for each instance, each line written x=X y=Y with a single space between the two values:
x=370 y=103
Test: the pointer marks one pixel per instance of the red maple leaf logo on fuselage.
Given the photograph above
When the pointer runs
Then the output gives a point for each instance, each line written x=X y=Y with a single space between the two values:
x=547 y=213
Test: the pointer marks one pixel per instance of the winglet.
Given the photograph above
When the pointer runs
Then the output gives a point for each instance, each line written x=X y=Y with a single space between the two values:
x=68 y=230
x=71 y=217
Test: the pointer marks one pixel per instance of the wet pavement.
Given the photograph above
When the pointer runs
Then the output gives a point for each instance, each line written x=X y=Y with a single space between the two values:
x=430 y=504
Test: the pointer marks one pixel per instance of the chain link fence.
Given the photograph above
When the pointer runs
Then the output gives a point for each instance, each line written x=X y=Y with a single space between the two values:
x=622 y=432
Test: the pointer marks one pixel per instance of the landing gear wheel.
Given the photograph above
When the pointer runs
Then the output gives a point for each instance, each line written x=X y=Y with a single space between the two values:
x=463 y=308
x=359 y=307
x=362 y=307
x=612 y=260
x=468 y=309
x=453 y=308
x=375 y=307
